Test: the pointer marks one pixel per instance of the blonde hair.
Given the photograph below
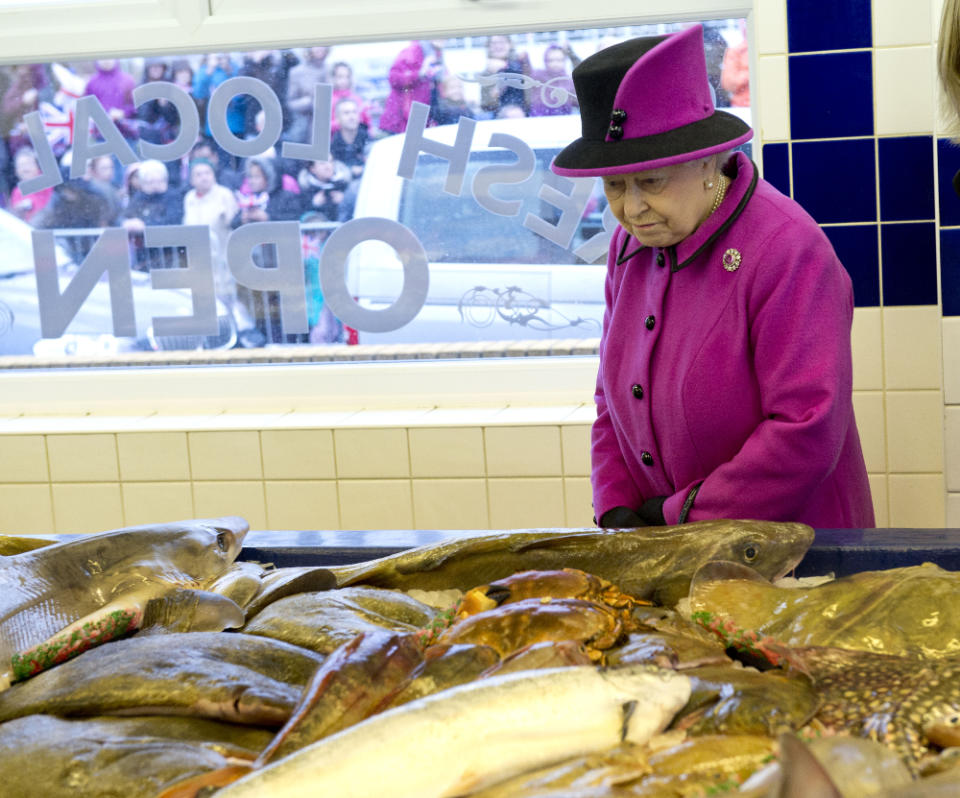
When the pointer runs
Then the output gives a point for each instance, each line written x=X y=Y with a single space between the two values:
x=948 y=64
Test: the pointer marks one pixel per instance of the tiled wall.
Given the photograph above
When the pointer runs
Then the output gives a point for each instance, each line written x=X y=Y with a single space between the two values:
x=458 y=468
x=847 y=117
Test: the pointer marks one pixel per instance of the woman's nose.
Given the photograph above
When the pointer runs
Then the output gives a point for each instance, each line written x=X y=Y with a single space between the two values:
x=634 y=200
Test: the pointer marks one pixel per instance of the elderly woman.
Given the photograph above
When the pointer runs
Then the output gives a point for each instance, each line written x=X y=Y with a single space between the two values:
x=724 y=388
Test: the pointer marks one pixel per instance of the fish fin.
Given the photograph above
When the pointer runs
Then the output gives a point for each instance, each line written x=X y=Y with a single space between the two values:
x=183 y=610
x=628 y=708
x=198 y=786
x=498 y=594
x=802 y=775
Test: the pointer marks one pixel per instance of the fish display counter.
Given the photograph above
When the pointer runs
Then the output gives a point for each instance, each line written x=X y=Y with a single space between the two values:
x=834 y=551
x=726 y=657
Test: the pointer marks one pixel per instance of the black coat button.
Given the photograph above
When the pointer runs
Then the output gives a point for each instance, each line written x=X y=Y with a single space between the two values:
x=650 y=321
x=637 y=391
x=660 y=259
x=646 y=458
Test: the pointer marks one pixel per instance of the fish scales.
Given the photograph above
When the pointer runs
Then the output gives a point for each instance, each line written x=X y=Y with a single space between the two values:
x=650 y=562
x=470 y=736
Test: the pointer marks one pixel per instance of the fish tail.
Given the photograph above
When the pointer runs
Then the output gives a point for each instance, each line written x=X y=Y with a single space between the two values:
x=197 y=786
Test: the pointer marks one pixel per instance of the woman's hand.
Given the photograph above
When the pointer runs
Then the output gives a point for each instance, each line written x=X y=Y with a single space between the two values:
x=621 y=518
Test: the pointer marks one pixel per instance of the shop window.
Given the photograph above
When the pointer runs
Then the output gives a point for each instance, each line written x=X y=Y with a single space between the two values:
x=297 y=200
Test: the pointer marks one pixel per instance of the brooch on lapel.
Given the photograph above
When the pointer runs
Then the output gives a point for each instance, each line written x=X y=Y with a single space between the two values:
x=731 y=260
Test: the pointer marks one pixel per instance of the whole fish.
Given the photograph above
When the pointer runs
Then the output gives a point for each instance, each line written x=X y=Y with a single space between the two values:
x=653 y=563
x=903 y=611
x=98 y=586
x=323 y=621
x=54 y=758
x=471 y=736
x=219 y=675
x=282 y=582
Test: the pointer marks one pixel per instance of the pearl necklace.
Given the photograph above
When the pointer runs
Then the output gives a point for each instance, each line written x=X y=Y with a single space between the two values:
x=721 y=193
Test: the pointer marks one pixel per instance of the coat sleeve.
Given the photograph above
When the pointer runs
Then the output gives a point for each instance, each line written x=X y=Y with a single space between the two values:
x=611 y=481
x=800 y=306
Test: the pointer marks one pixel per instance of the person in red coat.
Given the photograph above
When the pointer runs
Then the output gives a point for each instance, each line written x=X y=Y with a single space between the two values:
x=414 y=76
x=725 y=381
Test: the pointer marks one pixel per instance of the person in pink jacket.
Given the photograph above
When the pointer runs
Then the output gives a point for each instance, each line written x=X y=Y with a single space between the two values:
x=725 y=381
x=414 y=76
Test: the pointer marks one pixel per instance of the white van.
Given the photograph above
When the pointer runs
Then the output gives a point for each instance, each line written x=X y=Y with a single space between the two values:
x=491 y=277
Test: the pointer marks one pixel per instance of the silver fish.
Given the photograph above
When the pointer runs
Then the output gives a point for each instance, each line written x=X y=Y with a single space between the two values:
x=467 y=737
x=59 y=600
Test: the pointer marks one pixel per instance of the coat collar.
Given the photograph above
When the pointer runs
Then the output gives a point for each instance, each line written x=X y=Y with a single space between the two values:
x=744 y=175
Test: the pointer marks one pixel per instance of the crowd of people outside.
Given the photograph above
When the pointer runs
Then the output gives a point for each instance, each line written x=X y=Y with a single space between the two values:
x=370 y=99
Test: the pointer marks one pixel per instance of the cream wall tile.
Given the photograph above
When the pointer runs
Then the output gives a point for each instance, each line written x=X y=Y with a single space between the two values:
x=87 y=507
x=372 y=453
x=225 y=455
x=450 y=504
x=773 y=101
x=153 y=456
x=903 y=90
x=917 y=501
x=526 y=503
x=936 y=11
x=771 y=26
x=303 y=504
x=866 y=343
x=375 y=504
x=911 y=347
x=871 y=424
x=26 y=510
x=878 y=492
x=447 y=452
x=298 y=454
x=953 y=510
x=951 y=447
x=23 y=458
x=523 y=451
x=83 y=458
x=915 y=431
x=575 y=441
x=535 y=415
x=578 y=496
x=156 y=502
x=458 y=416
x=896 y=23
x=951 y=363
x=243 y=498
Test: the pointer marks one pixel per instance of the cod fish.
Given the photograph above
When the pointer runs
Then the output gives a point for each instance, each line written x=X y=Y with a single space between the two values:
x=653 y=563
x=16 y=544
x=901 y=611
x=58 y=600
x=219 y=675
x=54 y=758
x=474 y=735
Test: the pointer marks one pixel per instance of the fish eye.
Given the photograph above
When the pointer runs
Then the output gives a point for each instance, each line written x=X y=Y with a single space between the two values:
x=750 y=553
x=223 y=541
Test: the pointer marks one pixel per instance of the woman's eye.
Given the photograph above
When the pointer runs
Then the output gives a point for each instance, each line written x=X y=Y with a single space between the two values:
x=654 y=184
x=613 y=187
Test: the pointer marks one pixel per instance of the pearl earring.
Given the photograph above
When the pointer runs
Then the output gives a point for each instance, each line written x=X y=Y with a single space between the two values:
x=709 y=184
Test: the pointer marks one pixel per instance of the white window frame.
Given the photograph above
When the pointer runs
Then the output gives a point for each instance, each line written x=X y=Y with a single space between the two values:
x=32 y=32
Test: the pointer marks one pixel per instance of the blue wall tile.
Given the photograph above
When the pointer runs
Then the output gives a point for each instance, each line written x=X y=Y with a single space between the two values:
x=906 y=178
x=832 y=25
x=831 y=95
x=835 y=181
x=948 y=164
x=858 y=250
x=909 y=254
x=776 y=166
x=950 y=271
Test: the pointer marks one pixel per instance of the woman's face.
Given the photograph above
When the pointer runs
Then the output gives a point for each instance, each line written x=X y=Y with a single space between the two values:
x=661 y=207
x=256 y=179
x=342 y=78
x=498 y=47
x=202 y=178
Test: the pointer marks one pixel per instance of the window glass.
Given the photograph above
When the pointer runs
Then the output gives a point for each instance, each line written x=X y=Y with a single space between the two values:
x=300 y=199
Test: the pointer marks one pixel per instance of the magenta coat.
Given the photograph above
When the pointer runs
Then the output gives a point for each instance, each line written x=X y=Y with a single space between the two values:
x=407 y=86
x=725 y=371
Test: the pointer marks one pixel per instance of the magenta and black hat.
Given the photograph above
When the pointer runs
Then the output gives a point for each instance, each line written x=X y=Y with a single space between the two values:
x=646 y=103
